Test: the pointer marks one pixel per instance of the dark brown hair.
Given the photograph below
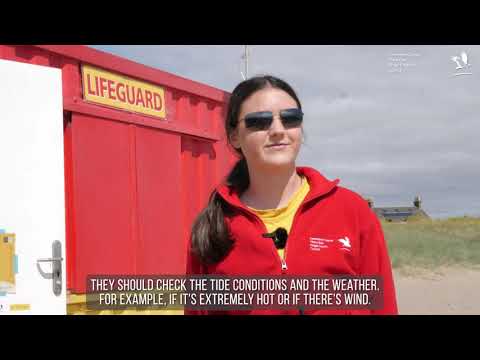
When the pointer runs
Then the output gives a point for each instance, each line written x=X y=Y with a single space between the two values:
x=210 y=237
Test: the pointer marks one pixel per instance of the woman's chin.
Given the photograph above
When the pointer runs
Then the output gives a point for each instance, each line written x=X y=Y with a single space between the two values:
x=279 y=160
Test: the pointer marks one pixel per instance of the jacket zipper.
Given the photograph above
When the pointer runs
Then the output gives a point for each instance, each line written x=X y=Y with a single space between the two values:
x=283 y=263
x=292 y=227
x=283 y=260
x=300 y=310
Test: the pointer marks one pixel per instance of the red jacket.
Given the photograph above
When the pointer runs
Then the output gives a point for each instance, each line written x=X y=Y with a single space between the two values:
x=327 y=212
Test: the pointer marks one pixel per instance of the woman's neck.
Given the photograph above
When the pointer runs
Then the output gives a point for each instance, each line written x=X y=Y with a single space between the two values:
x=271 y=190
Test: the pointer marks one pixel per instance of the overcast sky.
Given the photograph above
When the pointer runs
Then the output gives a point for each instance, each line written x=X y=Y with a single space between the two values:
x=390 y=122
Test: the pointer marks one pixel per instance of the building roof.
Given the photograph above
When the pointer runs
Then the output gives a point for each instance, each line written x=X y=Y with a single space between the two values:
x=399 y=212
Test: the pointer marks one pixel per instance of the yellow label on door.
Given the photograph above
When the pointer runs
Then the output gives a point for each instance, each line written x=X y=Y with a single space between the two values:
x=7 y=260
x=19 y=307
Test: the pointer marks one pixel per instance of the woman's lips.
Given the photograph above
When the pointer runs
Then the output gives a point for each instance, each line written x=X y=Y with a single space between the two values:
x=277 y=146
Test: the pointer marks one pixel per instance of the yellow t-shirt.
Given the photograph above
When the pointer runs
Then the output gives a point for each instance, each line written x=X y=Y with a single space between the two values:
x=283 y=217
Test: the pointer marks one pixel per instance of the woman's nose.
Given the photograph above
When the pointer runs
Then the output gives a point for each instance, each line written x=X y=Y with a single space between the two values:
x=277 y=125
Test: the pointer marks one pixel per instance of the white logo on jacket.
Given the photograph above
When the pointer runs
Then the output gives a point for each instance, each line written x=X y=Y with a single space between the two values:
x=317 y=243
x=345 y=241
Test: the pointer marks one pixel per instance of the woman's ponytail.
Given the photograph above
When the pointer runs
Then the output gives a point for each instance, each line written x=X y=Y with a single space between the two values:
x=211 y=238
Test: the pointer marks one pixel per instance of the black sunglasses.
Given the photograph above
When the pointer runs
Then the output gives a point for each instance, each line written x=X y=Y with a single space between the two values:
x=279 y=237
x=262 y=120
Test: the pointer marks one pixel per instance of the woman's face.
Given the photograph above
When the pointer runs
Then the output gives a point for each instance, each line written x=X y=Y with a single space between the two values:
x=275 y=146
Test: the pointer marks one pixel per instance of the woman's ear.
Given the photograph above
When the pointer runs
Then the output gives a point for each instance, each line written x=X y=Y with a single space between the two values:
x=234 y=139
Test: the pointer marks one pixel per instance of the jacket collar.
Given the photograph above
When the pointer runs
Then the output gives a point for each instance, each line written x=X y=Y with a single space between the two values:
x=319 y=186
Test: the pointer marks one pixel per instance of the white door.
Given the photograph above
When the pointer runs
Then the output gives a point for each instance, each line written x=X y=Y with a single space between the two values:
x=32 y=205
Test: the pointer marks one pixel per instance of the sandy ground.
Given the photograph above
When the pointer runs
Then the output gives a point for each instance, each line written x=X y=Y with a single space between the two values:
x=446 y=291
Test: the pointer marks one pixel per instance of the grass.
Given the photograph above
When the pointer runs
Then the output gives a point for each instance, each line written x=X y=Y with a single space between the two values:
x=430 y=244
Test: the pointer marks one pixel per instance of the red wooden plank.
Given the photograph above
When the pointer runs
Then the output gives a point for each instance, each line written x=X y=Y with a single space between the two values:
x=159 y=202
x=103 y=200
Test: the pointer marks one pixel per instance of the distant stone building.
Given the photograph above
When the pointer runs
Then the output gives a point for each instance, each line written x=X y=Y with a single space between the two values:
x=399 y=213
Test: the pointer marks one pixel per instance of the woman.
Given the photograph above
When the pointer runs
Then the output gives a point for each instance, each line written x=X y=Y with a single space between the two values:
x=317 y=227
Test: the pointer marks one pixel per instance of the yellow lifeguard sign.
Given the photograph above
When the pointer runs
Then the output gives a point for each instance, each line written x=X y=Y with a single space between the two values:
x=121 y=92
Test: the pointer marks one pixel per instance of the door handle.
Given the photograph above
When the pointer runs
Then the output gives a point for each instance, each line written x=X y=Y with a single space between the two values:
x=50 y=260
x=56 y=261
